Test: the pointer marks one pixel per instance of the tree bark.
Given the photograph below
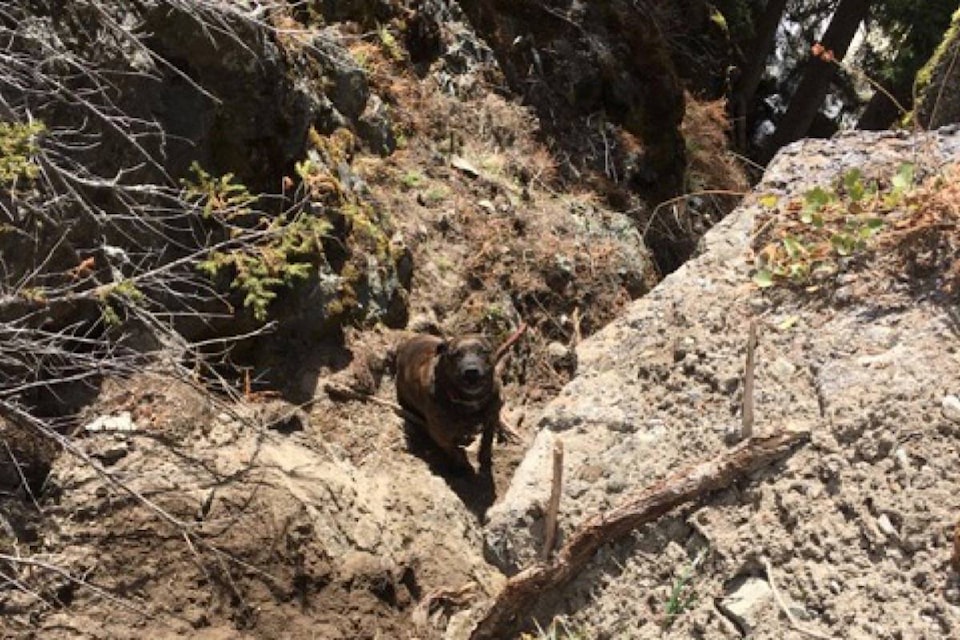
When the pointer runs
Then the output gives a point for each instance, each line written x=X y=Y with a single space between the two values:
x=881 y=111
x=760 y=48
x=808 y=97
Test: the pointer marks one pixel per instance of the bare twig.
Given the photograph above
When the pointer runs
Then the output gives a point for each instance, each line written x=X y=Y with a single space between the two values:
x=683 y=198
x=100 y=591
x=509 y=342
x=955 y=560
x=553 y=507
x=23 y=479
x=747 y=413
x=456 y=597
x=339 y=391
x=577 y=336
x=535 y=583
x=786 y=610
x=21 y=586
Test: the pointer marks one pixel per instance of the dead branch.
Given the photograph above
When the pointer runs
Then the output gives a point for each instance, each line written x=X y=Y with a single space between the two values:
x=786 y=610
x=747 y=414
x=577 y=336
x=20 y=416
x=509 y=342
x=553 y=507
x=60 y=571
x=445 y=596
x=511 y=605
x=342 y=392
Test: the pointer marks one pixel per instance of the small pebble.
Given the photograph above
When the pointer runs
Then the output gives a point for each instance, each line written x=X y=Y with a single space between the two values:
x=950 y=406
x=883 y=522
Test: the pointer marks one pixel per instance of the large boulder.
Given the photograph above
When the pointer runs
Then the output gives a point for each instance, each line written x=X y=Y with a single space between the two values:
x=855 y=525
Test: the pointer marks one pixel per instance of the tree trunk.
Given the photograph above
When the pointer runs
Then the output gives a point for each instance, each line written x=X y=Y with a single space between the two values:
x=808 y=97
x=742 y=107
x=881 y=111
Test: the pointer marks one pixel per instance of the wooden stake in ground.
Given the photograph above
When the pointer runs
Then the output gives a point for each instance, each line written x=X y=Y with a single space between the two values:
x=553 y=507
x=955 y=560
x=747 y=413
x=510 y=607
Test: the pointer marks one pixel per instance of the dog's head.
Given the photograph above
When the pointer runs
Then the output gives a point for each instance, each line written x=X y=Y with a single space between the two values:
x=467 y=364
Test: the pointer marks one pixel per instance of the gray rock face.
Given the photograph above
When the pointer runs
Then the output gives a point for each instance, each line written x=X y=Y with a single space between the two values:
x=658 y=388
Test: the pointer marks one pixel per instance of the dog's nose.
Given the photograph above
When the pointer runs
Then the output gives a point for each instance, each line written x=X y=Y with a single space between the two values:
x=471 y=375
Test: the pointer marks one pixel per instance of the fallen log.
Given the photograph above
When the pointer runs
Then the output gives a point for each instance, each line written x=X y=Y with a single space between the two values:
x=508 y=610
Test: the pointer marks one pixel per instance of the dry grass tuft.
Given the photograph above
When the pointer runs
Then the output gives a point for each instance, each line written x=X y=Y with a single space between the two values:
x=926 y=235
x=710 y=164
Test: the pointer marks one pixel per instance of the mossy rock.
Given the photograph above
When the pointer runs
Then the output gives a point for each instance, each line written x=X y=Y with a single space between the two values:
x=938 y=102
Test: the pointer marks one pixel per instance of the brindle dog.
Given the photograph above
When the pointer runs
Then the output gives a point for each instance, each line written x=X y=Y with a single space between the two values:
x=452 y=386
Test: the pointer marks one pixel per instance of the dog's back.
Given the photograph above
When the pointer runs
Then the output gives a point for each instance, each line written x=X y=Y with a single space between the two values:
x=451 y=385
x=415 y=362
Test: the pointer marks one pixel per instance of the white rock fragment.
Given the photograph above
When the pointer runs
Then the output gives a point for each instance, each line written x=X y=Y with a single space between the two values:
x=120 y=423
x=746 y=602
x=783 y=369
x=884 y=524
x=903 y=460
x=465 y=166
x=950 y=407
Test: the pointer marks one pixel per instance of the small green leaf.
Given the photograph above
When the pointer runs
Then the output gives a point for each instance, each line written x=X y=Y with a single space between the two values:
x=817 y=198
x=904 y=177
x=853 y=183
x=763 y=278
x=842 y=244
x=852 y=177
x=793 y=247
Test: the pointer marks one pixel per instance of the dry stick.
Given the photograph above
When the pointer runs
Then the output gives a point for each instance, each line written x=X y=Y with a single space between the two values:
x=342 y=391
x=502 y=351
x=457 y=596
x=524 y=589
x=786 y=610
x=553 y=507
x=23 y=588
x=103 y=593
x=955 y=560
x=577 y=336
x=507 y=432
x=747 y=425
x=23 y=478
x=15 y=413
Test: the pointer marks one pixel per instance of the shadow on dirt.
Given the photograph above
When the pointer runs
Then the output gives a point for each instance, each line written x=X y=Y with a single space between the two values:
x=476 y=490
